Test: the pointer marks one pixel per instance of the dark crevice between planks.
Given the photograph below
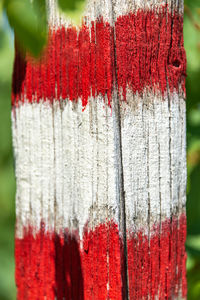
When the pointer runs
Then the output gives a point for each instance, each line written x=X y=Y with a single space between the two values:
x=119 y=158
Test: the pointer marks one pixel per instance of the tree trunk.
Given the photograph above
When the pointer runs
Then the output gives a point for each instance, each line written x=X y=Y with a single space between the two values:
x=100 y=152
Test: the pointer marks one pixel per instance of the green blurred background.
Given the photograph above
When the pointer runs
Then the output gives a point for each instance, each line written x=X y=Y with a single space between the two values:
x=7 y=180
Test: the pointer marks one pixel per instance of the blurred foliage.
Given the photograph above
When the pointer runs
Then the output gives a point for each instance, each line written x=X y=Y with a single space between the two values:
x=73 y=12
x=29 y=20
x=29 y=25
x=7 y=180
x=71 y=6
x=192 y=46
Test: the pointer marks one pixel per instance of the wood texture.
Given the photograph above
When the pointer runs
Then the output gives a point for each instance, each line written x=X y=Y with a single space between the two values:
x=99 y=142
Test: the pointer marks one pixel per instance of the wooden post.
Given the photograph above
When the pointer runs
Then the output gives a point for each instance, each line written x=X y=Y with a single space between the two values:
x=99 y=142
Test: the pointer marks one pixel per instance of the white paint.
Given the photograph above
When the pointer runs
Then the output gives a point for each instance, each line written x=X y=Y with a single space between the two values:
x=110 y=10
x=56 y=18
x=34 y=162
x=183 y=156
x=178 y=152
x=58 y=164
x=66 y=168
x=21 y=135
x=94 y=10
x=35 y=159
x=153 y=147
x=134 y=136
x=48 y=166
x=124 y=7
x=89 y=175
x=64 y=165
x=97 y=9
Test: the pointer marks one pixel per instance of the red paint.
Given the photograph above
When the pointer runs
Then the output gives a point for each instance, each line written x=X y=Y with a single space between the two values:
x=177 y=56
x=84 y=65
x=63 y=70
x=149 y=49
x=58 y=62
x=52 y=265
x=154 y=263
x=157 y=265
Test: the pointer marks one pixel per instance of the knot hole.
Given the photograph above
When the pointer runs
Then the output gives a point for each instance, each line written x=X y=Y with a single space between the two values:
x=176 y=64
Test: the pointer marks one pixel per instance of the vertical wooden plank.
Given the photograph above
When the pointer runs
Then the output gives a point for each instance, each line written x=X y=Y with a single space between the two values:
x=151 y=138
x=100 y=170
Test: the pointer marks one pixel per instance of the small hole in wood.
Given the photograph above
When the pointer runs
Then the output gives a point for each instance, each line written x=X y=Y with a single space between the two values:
x=176 y=63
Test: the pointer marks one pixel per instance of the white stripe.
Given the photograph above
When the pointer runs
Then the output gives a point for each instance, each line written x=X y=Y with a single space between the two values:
x=59 y=168
x=35 y=159
x=183 y=155
x=89 y=175
x=134 y=134
x=21 y=141
x=65 y=162
x=153 y=147
x=48 y=165
x=101 y=8
x=178 y=151
x=105 y=8
x=64 y=165
x=163 y=138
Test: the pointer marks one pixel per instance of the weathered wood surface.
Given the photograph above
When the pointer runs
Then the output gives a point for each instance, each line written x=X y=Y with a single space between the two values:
x=99 y=142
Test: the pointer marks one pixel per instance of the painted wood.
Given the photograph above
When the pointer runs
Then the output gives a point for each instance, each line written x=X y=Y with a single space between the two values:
x=99 y=143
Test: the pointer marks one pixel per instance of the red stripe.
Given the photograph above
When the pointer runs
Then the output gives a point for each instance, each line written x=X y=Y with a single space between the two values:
x=84 y=65
x=52 y=265
x=154 y=265
x=148 y=49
